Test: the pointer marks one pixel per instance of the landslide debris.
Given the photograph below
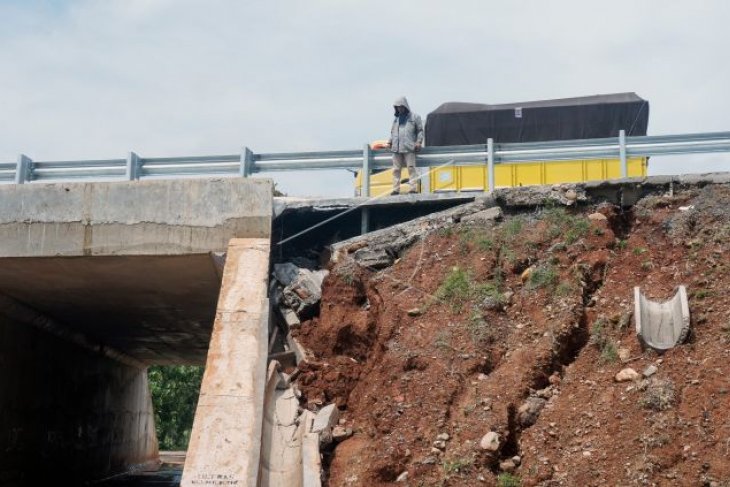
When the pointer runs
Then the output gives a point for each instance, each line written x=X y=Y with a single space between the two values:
x=484 y=350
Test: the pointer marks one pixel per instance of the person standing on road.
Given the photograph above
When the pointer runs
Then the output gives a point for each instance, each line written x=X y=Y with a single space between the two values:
x=406 y=138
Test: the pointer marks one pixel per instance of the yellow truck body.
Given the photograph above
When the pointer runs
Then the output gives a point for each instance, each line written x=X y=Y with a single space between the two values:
x=475 y=178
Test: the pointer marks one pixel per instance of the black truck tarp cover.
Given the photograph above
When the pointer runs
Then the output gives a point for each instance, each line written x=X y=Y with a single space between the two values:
x=585 y=117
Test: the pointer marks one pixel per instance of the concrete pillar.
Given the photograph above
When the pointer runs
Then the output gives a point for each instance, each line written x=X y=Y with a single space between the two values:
x=225 y=443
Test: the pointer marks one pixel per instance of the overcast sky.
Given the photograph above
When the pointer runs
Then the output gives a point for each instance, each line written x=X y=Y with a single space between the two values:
x=96 y=79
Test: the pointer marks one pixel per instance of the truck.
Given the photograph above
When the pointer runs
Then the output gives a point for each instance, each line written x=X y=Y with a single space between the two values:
x=587 y=117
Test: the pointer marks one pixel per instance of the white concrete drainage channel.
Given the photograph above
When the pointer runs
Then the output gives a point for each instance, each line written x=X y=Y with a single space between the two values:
x=662 y=326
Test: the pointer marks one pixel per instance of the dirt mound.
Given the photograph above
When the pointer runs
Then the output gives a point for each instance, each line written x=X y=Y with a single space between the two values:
x=486 y=355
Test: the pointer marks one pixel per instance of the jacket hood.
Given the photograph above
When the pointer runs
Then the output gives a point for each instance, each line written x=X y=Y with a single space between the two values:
x=402 y=102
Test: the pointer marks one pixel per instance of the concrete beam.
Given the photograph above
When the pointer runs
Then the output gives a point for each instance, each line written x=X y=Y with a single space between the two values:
x=165 y=217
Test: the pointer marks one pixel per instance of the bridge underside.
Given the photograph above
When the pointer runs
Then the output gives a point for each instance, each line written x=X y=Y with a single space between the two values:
x=97 y=282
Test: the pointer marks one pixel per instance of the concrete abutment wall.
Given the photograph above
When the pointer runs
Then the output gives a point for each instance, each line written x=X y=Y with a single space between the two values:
x=67 y=412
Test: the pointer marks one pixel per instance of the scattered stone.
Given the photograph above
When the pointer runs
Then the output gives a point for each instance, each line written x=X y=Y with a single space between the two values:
x=529 y=411
x=402 y=477
x=507 y=297
x=526 y=274
x=443 y=437
x=429 y=460
x=554 y=379
x=650 y=370
x=546 y=393
x=571 y=196
x=507 y=466
x=436 y=450
x=517 y=459
x=492 y=303
x=587 y=454
x=415 y=312
x=440 y=444
x=340 y=434
x=624 y=354
x=626 y=375
x=490 y=441
x=597 y=217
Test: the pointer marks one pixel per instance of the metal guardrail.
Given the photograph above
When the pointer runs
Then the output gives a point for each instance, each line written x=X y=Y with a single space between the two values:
x=134 y=167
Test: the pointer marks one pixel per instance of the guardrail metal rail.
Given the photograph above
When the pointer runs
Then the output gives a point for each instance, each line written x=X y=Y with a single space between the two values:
x=134 y=167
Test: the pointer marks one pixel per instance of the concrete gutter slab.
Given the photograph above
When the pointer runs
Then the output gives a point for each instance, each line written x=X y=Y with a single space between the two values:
x=662 y=326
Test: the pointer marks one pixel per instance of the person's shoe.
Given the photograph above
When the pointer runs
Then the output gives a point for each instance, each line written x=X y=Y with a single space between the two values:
x=394 y=193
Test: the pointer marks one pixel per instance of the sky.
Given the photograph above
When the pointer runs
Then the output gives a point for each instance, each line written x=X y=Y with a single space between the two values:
x=95 y=79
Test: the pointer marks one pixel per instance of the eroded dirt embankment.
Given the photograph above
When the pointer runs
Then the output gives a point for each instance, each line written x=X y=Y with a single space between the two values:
x=486 y=354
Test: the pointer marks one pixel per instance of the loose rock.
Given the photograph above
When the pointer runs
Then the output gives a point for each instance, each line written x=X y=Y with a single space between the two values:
x=529 y=410
x=507 y=466
x=626 y=375
x=490 y=441
x=650 y=370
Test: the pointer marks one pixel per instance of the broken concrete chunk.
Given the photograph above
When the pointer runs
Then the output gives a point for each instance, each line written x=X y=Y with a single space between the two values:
x=326 y=419
x=290 y=317
x=484 y=216
x=373 y=259
x=285 y=273
x=304 y=292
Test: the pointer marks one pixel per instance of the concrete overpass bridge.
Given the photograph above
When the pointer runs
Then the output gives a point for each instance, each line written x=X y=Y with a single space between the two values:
x=100 y=280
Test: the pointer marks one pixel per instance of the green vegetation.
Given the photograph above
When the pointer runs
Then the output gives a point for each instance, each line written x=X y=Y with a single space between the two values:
x=479 y=330
x=457 y=465
x=458 y=287
x=514 y=226
x=599 y=339
x=659 y=395
x=563 y=223
x=639 y=250
x=443 y=340
x=175 y=392
x=544 y=276
x=508 y=480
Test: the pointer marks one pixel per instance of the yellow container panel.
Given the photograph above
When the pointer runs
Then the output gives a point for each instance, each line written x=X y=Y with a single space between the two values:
x=595 y=169
x=636 y=167
x=563 y=172
x=444 y=179
x=504 y=175
x=528 y=174
x=472 y=178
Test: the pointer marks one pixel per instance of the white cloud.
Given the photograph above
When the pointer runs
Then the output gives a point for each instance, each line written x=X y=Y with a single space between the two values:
x=94 y=79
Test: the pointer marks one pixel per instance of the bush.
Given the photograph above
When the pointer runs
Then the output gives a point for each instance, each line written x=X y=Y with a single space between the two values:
x=175 y=391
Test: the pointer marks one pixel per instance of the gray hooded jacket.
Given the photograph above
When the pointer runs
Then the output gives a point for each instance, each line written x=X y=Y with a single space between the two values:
x=403 y=138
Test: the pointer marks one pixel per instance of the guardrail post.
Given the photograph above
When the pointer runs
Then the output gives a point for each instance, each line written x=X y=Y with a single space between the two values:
x=132 y=172
x=246 y=163
x=365 y=188
x=622 y=153
x=365 y=174
x=23 y=169
x=490 y=164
